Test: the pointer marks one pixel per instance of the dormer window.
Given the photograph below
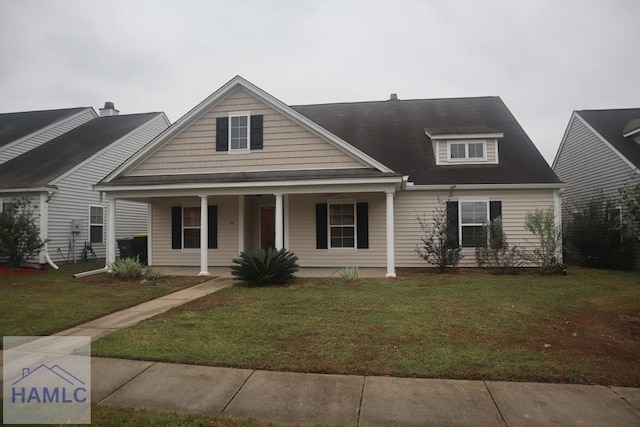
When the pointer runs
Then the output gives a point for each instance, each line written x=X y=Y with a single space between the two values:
x=466 y=150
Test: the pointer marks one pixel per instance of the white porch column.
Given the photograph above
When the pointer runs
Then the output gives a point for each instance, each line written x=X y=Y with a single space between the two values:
x=279 y=222
x=204 y=236
x=240 y=223
x=111 y=232
x=391 y=265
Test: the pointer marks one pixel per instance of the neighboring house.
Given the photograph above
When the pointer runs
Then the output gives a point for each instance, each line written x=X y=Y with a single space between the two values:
x=337 y=184
x=600 y=152
x=21 y=132
x=58 y=175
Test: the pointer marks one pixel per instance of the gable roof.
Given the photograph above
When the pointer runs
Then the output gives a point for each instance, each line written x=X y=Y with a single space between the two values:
x=611 y=124
x=393 y=132
x=204 y=106
x=38 y=167
x=14 y=126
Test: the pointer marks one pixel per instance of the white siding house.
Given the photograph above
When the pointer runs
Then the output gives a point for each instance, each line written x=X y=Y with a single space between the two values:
x=600 y=153
x=58 y=176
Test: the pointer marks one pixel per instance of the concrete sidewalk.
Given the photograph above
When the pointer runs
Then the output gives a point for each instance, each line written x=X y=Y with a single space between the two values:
x=286 y=397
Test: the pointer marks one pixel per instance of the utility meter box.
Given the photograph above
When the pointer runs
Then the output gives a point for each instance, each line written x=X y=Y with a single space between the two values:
x=76 y=225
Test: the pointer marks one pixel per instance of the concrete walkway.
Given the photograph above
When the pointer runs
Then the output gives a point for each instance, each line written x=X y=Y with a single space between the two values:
x=286 y=397
x=128 y=317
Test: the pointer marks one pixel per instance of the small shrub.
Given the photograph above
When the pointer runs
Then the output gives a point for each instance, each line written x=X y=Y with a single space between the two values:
x=439 y=246
x=127 y=268
x=263 y=268
x=152 y=275
x=541 y=222
x=496 y=253
x=350 y=274
x=19 y=234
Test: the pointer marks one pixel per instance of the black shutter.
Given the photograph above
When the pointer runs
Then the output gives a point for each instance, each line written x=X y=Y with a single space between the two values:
x=222 y=134
x=495 y=211
x=362 y=212
x=452 y=225
x=256 y=132
x=321 y=226
x=176 y=227
x=212 y=218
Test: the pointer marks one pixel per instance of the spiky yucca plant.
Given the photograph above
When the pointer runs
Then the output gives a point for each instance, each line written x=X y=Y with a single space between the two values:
x=263 y=268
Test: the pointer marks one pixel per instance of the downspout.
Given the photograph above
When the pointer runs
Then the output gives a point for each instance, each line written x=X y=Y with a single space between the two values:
x=45 y=226
x=105 y=269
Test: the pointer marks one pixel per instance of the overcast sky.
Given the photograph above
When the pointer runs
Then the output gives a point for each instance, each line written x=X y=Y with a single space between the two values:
x=544 y=58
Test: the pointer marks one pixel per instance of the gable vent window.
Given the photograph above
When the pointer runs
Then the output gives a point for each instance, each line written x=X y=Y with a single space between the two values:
x=466 y=150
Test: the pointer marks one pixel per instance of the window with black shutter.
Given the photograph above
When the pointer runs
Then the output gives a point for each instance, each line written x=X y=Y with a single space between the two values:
x=185 y=227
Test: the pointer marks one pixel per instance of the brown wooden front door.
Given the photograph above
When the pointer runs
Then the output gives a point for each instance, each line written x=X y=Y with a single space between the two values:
x=267 y=227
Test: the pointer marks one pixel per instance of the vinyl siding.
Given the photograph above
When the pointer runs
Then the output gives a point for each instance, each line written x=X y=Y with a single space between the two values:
x=227 y=233
x=491 y=145
x=300 y=227
x=287 y=145
x=43 y=136
x=302 y=232
x=75 y=195
x=587 y=165
x=515 y=205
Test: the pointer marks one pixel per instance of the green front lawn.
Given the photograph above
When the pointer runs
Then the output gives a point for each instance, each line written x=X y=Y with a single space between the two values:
x=43 y=304
x=580 y=328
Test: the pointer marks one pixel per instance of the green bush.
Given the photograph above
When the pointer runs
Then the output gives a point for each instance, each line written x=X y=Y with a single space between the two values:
x=496 y=253
x=350 y=274
x=263 y=268
x=595 y=236
x=19 y=234
x=127 y=268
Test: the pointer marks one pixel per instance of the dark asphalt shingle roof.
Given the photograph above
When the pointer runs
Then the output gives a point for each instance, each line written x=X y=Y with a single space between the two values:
x=393 y=132
x=14 y=126
x=249 y=177
x=41 y=165
x=611 y=124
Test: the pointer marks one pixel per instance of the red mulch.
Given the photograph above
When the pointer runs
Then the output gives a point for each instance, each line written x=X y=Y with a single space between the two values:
x=4 y=271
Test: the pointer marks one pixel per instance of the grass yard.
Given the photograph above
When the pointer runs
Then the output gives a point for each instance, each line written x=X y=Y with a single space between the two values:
x=42 y=304
x=580 y=328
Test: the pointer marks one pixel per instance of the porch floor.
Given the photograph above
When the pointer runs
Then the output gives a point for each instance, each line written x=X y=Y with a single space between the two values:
x=365 y=272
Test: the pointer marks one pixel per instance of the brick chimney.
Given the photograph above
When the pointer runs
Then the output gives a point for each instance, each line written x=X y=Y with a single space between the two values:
x=108 y=110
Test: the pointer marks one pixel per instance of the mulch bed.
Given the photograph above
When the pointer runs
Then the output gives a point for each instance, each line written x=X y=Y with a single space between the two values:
x=5 y=271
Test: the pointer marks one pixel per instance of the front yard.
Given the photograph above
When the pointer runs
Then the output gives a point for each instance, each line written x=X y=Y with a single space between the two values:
x=43 y=304
x=580 y=328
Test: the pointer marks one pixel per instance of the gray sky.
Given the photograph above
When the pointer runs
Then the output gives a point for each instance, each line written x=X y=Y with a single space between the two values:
x=545 y=58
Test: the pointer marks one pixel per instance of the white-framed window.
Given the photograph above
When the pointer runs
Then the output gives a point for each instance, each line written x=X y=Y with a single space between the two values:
x=464 y=151
x=474 y=214
x=342 y=225
x=191 y=227
x=96 y=224
x=239 y=131
x=4 y=205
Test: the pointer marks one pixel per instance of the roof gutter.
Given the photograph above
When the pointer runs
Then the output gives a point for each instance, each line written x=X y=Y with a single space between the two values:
x=526 y=186
x=47 y=188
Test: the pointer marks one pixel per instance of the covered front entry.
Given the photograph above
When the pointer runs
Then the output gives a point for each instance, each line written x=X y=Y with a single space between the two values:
x=327 y=224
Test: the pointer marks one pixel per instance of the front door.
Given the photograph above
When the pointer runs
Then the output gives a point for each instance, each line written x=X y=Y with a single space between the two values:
x=267 y=227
